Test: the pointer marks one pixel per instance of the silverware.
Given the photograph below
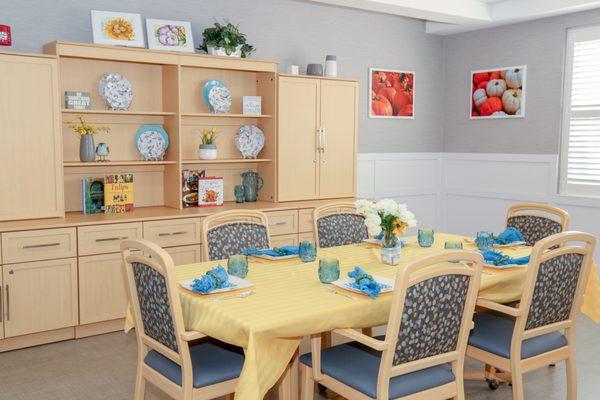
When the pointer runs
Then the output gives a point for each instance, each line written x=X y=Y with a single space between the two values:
x=333 y=291
x=242 y=295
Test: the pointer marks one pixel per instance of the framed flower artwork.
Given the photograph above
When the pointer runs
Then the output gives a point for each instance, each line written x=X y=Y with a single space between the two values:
x=117 y=28
x=498 y=93
x=392 y=93
x=169 y=35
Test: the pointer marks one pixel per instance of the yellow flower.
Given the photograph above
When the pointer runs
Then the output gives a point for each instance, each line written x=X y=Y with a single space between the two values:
x=400 y=227
x=119 y=29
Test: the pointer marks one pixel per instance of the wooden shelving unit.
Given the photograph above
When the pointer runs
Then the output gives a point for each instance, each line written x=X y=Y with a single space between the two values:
x=228 y=161
x=117 y=112
x=214 y=115
x=115 y=163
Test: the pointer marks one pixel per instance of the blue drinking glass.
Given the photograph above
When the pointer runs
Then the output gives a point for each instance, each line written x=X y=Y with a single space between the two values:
x=239 y=193
x=307 y=251
x=453 y=245
x=329 y=270
x=426 y=237
x=484 y=240
x=237 y=265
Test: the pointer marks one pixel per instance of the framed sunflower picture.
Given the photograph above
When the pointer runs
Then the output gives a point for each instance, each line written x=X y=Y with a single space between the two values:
x=117 y=28
x=169 y=35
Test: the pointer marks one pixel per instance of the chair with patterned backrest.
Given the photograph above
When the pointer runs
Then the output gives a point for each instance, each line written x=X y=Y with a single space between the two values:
x=537 y=221
x=423 y=351
x=166 y=358
x=338 y=224
x=233 y=232
x=523 y=338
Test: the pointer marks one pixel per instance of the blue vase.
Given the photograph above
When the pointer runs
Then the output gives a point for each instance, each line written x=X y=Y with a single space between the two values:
x=252 y=184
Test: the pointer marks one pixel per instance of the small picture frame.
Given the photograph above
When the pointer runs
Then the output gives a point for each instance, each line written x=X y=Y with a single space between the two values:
x=117 y=28
x=498 y=93
x=78 y=100
x=169 y=35
x=5 y=37
x=252 y=105
x=392 y=93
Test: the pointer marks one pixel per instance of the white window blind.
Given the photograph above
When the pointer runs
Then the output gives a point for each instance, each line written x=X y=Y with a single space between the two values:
x=580 y=149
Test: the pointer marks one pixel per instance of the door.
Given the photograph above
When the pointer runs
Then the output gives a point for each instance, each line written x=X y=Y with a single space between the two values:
x=39 y=296
x=30 y=135
x=337 y=175
x=297 y=138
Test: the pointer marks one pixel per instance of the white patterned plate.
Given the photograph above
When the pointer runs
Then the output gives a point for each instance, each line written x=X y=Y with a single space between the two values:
x=152 y=142
x=250 y=140
x=387 y=284
x=116 y=91
x=219 y=98
x=236 y=284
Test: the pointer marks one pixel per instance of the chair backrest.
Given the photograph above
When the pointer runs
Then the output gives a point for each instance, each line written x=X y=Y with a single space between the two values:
x=431 y=314
x=537 y=221
x=232 y=232
x=154 y=296
x=338 y=224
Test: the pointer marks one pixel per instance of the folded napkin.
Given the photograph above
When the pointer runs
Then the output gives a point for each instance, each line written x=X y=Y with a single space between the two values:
x=274 y=252
x=364 y=282
x=510 y=235
x=216 y=278
x=499 y=259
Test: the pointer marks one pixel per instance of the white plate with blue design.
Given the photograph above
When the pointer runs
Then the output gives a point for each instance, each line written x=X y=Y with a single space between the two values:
x=387 y=284
x=250 y=140
x=236 y=284
x=500 y=246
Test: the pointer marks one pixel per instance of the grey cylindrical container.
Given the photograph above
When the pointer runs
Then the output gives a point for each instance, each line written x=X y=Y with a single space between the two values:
x=314 y=69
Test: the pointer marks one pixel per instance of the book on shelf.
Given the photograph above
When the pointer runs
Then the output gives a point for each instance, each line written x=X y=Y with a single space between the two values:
x=92 y=194
x=118 y=193
x=210 y=191
x=189 y=187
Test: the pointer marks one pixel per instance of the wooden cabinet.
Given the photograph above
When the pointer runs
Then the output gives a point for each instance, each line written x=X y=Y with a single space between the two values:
x=31 y=138
x=99 y=239
x=282 y=222
x=2 y=308
x=173 y=232
x=316 y=138
x=40 y=244
x=39 y=296
x=182 y=255
x=284 y=240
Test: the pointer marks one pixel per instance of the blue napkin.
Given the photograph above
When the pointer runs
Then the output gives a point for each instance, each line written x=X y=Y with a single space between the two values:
x=499 y=259
x=510 y=235
x=274 y=252
x=364 y=282
x=216 y=278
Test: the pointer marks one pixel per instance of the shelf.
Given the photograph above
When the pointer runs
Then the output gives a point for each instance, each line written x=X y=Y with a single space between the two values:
x=114 y=163
x=227 y=161
x=117 y=112
x=213 y=115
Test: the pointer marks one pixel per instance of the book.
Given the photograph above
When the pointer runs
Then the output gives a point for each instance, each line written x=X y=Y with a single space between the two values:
x=189 y=187
x=92 y=194
x=118 y=193
x=210 y=191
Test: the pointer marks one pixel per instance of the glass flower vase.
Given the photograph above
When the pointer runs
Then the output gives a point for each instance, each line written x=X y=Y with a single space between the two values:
x=390 y=248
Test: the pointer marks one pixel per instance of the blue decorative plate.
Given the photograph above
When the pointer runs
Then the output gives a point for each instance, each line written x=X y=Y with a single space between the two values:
x=206 y=90
x=152 y=142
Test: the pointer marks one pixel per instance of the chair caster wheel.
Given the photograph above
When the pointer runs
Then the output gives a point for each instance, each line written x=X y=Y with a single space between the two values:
x=493 y=384
x=322 y=389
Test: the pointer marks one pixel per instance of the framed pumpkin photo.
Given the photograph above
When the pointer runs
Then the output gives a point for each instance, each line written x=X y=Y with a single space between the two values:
x=498 y=93
x=117 y=28
x=169 y=35
x=392 y=93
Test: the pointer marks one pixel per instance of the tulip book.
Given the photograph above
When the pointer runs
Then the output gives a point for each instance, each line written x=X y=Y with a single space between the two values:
x=118 y=193
x=498 y=93
x=392 y=93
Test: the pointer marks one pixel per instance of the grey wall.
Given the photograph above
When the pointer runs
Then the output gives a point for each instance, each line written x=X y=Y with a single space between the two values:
x=291 y=32
x=538 y=44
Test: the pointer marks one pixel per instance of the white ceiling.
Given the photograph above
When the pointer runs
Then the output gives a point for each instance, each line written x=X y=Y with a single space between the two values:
x=445 y=17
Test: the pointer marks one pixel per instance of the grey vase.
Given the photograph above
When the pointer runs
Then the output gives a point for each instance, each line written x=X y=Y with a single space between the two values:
x=87 y=150
x=314 y=69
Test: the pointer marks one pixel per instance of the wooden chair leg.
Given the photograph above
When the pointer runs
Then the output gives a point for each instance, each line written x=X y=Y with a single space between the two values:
x=367 y=331
x=140 y=384
x=295 y=376
x=571 y=379
x=229 y=396
x=307 y=384
x=517 y=381
x=325 y=340
x=460 y=382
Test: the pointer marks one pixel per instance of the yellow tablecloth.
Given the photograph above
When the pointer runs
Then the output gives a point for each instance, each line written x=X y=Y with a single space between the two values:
x=290 y=303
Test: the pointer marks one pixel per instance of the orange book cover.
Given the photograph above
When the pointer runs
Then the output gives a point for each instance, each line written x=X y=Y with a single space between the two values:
x=118 y=193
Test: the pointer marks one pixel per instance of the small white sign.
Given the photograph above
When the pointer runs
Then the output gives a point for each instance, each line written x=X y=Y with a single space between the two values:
x=252 y=105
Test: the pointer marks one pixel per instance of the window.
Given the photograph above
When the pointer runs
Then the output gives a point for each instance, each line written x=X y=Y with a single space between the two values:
x=580 y=153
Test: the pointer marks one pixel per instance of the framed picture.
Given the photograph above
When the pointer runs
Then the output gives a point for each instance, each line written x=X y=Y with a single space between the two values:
x=392 y=93
x=498 y=93
x=116 y=28
x=169 y=35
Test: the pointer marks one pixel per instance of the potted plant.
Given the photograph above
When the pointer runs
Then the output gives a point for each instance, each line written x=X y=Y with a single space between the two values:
x=225 y=40
x=86 y=132
x=208 y=148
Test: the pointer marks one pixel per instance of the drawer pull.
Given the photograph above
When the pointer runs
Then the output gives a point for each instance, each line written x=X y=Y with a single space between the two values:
x=7 y=303
x=172 y=233
x=278 y=223
x=36 y=246
x=110 y=239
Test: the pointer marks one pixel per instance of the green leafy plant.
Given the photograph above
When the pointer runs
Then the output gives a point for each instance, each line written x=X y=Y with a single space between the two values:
x=208 y=136
x=83 y=128
x=227 y=36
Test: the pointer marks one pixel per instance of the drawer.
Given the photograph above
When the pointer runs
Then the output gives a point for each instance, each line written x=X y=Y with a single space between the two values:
x=173 y=232
x=283 y=222
x=306 y=237
x=305 y=220
x=101 y=239
x=284 y=240
x=185 y=254
x=44 y=244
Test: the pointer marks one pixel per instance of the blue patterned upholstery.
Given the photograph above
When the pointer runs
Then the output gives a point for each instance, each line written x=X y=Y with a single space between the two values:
x=211 y=363
x=534 y=227
x=493 y=333
x=227 y=240
x=155 y=308
x=357 y=366
x=341 y=229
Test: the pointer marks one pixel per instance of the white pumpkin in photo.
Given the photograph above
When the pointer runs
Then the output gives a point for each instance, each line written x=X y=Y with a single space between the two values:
x=511 y=101
x=479 y=97
x=495 y=87
x=513 y=78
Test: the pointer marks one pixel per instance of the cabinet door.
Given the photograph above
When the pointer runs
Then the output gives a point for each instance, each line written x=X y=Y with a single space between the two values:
x=31 y=138
x=297 y=138
x=40 y=296
x=338 y=120
x=102 y=293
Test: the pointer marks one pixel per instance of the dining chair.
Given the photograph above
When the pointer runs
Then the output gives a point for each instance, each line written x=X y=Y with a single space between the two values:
x=422 y=353
x=167 y=358
x=232 y=232
x=529 y=336
x=338 y=224
x=537 y=221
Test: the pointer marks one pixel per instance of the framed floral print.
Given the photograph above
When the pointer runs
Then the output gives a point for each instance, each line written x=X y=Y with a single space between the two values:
x=169 y=35
x=117 y=28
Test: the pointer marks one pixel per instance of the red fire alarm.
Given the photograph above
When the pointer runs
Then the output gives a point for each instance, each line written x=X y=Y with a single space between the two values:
x=5 y=39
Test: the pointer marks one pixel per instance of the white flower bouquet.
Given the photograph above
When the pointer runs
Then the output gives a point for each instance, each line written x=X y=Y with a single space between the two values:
x=386 y=215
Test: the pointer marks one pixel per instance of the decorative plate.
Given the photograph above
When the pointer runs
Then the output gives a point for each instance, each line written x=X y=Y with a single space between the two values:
x=116 y=91
x=236 y=284
x=152 y=142
x=207 y=86
x=219 y=99
x=387 y=284
x=249 y=141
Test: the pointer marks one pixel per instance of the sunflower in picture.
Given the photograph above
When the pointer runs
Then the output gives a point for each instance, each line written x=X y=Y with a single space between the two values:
x=119 y=28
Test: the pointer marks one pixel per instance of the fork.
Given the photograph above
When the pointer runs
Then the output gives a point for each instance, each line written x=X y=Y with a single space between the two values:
x=333 y=291
x=242 y=295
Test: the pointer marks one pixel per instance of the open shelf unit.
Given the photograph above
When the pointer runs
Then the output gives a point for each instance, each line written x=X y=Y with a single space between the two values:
x=166 y=91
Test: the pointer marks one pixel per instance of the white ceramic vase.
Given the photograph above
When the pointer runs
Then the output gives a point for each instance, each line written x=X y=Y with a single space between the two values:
x=220 y=51
x=208 y=151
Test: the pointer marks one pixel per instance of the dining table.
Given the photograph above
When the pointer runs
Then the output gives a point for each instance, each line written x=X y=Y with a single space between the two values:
x=288 y=302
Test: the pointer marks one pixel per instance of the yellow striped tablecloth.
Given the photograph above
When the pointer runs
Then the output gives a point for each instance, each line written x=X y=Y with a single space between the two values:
x=290 y=302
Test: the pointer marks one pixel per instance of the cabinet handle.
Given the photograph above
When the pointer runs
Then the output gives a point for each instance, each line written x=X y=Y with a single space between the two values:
x=172 y=233
x=7 y=303
x=35 y=246
x=110 y=239
x=322 y=140
x=321 y=147
x=278 y=223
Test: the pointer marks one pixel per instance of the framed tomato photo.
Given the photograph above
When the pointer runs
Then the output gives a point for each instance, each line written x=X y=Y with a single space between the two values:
x=498 y=93
x=392 y=93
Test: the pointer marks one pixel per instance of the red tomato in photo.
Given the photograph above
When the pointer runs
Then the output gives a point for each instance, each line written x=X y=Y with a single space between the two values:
x=480 y=77
x=406 y=111
x=482 y=85
x=474 y=113
x=381 y=106
x=387 y=92
x=490 y=106
x=495 y=75
x=401 y=99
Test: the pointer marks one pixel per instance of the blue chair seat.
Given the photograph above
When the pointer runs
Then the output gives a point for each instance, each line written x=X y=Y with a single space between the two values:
x=357 y=366
x=211 y=363
x=493 y=333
